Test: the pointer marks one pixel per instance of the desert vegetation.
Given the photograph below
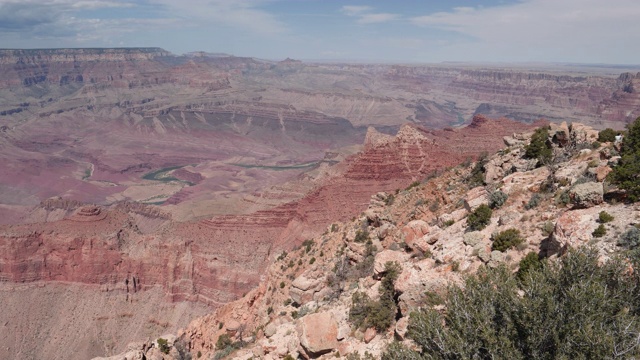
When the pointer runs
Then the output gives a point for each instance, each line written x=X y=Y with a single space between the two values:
x=479 y=218
x=576 y=308
x=627 y=173
x=379 y=314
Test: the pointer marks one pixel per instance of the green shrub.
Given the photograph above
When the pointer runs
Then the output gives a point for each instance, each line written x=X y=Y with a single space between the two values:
x=282 y=256
x=390 y=200
x=627 y=173
x=361 y=236
x=455 y=266
x=577 y=309
x=312 y=260
x=476 y=177
x=563 y=198
x=599 y=232
x=163 y=345
x=534 y=201
x=506 y=240
x=307 y=244
x=448 y=223
x=531 y=262
x=595 y=145
x=282 y=284
x=538 y=148
x=607 y=135
x=412 y=185
x=479 y=218
x=223 y=341
x=380 y=314
x=630 y=239
x=547 y=228
x=497 y=199
x=604 y=217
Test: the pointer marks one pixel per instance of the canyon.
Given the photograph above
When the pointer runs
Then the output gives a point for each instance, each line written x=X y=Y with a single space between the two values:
x=138 y=179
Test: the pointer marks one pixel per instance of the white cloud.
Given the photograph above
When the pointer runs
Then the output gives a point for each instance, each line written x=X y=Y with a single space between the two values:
x=571 y=29
x=377 y=18
x=98 y=4
x=61 y=22
x=366 y=15
x=354 y=10
x=240 y=14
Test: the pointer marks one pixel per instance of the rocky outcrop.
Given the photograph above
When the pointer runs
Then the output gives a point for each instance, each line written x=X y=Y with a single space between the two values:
x=587 y=195
x=305 y=301
x=318 y=333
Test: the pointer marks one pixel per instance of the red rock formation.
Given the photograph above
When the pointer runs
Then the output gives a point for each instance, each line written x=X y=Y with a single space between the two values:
x=218 y=259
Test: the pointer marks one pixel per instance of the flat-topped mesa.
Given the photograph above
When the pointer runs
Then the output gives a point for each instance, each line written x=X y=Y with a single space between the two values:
x=37 y=56
x=88 y=214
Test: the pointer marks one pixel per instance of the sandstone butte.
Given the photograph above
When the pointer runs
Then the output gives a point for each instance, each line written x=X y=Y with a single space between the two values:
x=301 y=306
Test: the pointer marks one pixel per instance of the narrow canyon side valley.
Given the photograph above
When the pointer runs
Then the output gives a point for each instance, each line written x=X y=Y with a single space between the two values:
x=198 y=197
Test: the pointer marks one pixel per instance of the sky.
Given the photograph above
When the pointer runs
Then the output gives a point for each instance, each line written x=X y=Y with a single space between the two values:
x=406 y=31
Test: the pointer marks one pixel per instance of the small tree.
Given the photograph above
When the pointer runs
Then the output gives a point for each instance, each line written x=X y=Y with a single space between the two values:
x=607 y=135
x=538 y=148
x=627 y=174
x=479 y=218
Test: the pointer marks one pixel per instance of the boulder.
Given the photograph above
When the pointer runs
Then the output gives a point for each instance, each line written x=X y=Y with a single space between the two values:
x=511 y=141
x=384 y=230
x=602 y=172
x=455 y=215
x=232 y=326
x=318 y=333
x=476 y=197
x=587 y=195
x=423 y=243
x=473 y=238
x=496 y=258
x=284 y=341
x=305 y=286
x=414 y=229
x=483 y=253
x=583 y=133
x=369 y=334
x=524 y=180
x=572 y=228
x=570 y=172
